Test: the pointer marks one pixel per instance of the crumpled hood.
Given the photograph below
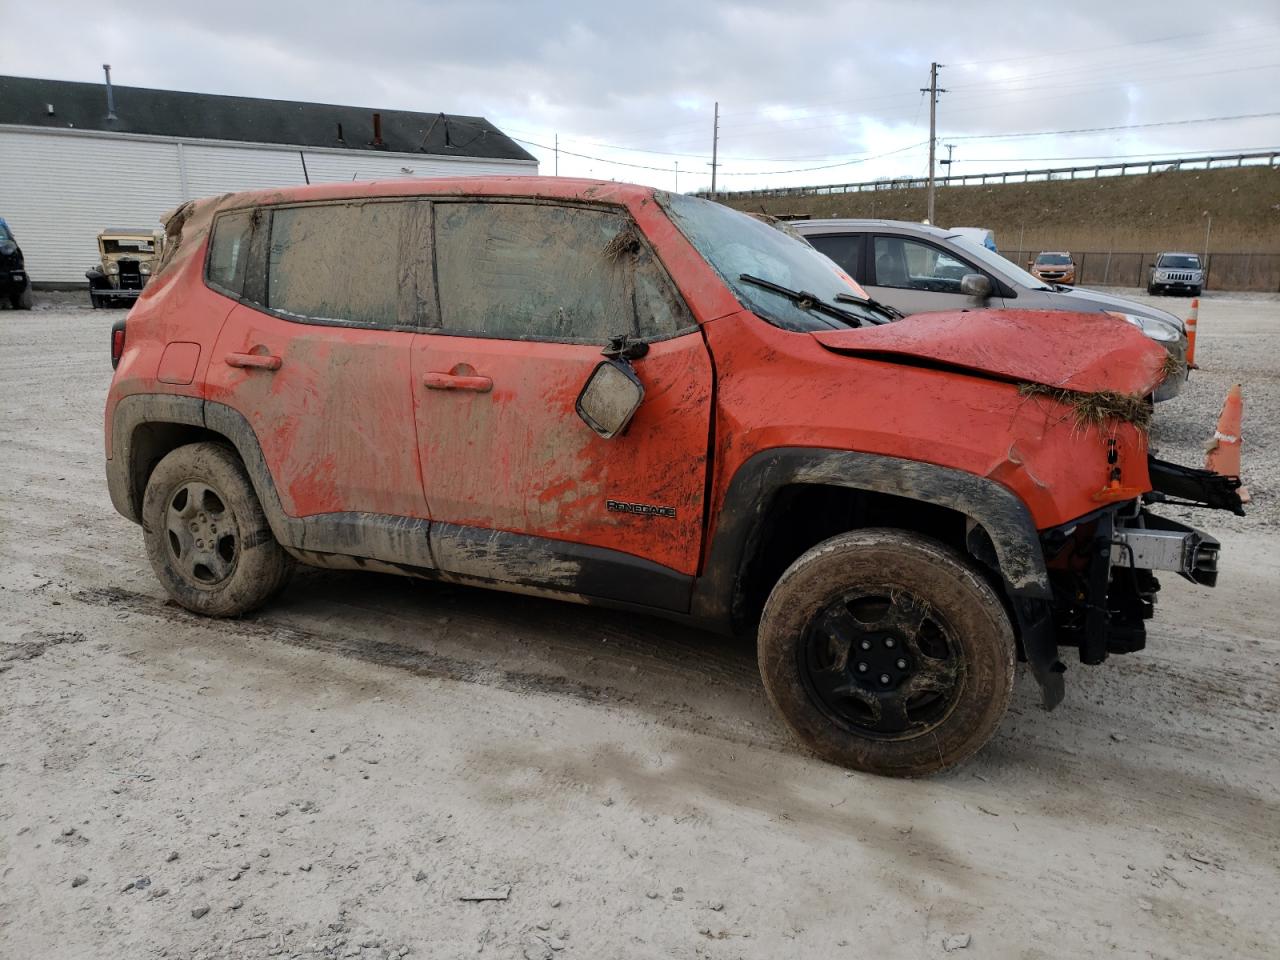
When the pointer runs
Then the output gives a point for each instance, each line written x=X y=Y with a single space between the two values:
x=1086 y=352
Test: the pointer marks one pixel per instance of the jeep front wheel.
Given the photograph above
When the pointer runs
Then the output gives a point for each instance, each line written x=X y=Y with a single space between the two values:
x=207 y=537
x=886 y=652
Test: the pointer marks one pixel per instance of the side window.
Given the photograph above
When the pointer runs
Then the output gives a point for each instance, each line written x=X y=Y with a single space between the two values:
x=911 y=265
x=845 y=249
x=337 y=262
x=229 y=252
x=519 y=270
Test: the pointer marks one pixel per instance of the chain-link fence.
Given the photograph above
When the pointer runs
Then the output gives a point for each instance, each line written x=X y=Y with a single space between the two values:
x=1224 y=271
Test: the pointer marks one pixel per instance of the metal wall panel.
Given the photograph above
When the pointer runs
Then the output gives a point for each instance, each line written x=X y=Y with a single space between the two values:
x=57 y=192
x=58 y=189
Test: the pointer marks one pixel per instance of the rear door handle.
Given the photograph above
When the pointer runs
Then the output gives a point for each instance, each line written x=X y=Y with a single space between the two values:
x=255 y=361
x=453 y=381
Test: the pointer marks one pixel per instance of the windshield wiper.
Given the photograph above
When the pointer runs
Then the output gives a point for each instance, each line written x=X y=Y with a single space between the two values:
x=804 y=300
x=893 y=312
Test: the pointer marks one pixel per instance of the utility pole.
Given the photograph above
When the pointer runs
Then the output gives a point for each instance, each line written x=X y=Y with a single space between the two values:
x=677 y=189
x=557 y=154
x=933 y=90
x=715 y=146
x=947 y=162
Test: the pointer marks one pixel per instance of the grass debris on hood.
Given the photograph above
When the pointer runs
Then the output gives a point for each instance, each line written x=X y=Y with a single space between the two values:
x=1098 y=408
x=1171 y=367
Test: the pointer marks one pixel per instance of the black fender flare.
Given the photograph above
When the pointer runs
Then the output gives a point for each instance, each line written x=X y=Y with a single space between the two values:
x=991 y=506
x=394 y=539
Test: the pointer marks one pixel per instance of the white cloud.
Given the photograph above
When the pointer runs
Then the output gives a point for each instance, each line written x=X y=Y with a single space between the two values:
x=822 y=81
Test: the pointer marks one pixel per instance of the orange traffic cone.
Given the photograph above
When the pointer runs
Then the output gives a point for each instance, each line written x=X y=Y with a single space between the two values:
x=1223 y=453
x=1191 y=334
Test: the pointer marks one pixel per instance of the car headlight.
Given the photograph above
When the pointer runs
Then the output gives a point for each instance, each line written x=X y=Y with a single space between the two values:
x=113 y=268
x=1152 y=328
x=144 y=268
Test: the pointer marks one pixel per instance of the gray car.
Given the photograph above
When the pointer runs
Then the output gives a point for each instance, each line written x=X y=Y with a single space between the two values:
x=1176 y=272
x=918 y=268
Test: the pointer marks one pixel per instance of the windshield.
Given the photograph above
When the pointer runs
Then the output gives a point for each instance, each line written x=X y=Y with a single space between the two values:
x=1180 y=261
x=1053 y=260
x=735 y=245
x=993 y=261
x=4 y=234
x=128 y=246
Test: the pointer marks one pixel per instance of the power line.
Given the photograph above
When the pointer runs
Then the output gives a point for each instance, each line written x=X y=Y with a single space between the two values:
x=765 y=122
x=1223 y=153
x=733 y=173
x=1127 y=126
x=829 y=166
x=966 y=93
x=583 y=156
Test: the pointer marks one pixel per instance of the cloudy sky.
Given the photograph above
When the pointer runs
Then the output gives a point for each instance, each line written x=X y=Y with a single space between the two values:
x=813 y=92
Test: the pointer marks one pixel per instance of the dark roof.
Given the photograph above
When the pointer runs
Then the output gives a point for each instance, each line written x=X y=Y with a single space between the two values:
x=206 y=116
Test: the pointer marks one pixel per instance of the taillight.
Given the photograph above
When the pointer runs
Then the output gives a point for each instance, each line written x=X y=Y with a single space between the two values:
x=117 y=343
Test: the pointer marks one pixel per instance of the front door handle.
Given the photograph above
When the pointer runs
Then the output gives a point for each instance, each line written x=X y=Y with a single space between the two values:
x=453 y=381
x=256 y=361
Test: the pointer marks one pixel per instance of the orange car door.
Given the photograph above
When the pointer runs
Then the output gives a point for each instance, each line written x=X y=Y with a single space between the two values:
x=520 y=489
x=317 y=361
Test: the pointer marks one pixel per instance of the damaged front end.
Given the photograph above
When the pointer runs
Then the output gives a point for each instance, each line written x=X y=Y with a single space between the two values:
x=1103 y=566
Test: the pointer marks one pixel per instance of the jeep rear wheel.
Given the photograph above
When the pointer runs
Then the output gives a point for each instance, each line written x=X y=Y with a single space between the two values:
x=206 y=535
x=886 y=652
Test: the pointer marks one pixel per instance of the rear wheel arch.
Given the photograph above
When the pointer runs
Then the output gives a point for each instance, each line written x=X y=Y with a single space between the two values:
x=148 y=427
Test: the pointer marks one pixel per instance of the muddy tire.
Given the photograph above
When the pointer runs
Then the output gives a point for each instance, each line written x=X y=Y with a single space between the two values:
x=887 y=652
x=22 y=300
x=206 y=535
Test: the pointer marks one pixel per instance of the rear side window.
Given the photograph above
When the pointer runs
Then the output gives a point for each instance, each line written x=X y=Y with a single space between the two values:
x=539 y=271
x=845 y=249
x=229 y=252
x=336 y=263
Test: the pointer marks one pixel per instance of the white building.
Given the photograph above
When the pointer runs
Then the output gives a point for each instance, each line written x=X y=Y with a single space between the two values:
x=77 y=157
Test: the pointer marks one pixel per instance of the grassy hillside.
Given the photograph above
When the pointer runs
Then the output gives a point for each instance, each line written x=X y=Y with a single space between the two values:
x=1160 y=211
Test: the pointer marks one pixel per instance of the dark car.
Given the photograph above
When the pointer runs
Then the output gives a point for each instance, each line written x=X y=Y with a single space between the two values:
x=14 y=282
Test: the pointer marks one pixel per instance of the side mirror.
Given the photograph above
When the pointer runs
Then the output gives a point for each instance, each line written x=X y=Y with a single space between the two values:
x=975 y=285
x=610 y=398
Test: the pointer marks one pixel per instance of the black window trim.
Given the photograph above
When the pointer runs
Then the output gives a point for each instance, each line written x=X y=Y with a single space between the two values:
x=209 y=282
x=257 y=271
x=619 y=209
x=997 y=286
x=400 y=326
x=861 y=270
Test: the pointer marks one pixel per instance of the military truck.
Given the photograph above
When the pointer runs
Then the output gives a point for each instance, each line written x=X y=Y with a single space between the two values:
x=126 y=259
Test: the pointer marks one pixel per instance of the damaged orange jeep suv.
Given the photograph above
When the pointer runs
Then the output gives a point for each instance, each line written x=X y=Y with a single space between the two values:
x=619 y=396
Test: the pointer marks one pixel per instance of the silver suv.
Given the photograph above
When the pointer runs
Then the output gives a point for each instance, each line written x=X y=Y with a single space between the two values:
x=918 y=268
x=1176 y=271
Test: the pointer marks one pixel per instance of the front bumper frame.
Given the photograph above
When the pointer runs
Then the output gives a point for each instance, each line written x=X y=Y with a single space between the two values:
x=1157 y=543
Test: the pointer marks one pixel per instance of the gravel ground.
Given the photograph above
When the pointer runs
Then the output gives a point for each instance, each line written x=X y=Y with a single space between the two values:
x=337 y=775
x=1238 y=341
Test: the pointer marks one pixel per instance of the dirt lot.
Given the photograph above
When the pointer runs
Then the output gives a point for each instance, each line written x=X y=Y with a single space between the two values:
x=332 y=777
